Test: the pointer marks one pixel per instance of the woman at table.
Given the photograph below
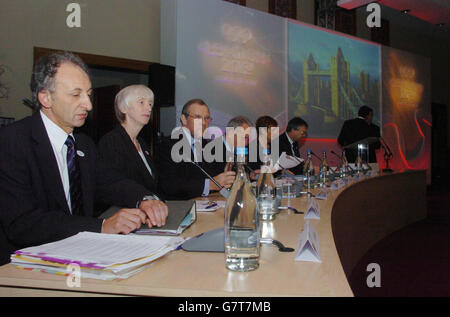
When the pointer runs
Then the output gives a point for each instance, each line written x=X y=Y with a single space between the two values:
x=124 y=158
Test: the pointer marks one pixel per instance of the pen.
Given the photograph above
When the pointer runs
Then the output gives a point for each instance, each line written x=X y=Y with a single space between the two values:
x=211 y=205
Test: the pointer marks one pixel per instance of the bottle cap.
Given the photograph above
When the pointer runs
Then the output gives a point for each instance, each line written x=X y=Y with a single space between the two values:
x=241 y=151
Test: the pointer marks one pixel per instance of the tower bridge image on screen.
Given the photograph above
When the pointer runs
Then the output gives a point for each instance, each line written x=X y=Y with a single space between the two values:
x=329 y=96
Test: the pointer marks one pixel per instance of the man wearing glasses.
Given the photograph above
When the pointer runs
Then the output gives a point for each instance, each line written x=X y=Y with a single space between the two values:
x=297 y=129
x=181 y=179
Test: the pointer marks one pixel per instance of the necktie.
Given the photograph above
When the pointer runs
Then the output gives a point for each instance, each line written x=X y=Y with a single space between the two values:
x=76 y=196
x=295 y=149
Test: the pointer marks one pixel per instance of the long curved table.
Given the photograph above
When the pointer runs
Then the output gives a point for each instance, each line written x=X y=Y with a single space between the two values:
x=353 y=219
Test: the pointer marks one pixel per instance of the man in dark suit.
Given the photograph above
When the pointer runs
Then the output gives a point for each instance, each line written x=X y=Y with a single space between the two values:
x=223 y=148
x=358 y=129
x=180 y=178
x=47 y=180
x=297 y=129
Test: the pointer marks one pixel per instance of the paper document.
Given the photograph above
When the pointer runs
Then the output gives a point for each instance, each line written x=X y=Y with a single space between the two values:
x=99 y=251
x=287 y=161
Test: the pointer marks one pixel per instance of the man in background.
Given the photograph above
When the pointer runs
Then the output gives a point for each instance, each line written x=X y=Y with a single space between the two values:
x=181 y=174
x=358 y=129
x=296 y=130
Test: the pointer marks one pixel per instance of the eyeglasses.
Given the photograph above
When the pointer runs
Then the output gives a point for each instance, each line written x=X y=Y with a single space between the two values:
x=199 y=117
x=303 y=133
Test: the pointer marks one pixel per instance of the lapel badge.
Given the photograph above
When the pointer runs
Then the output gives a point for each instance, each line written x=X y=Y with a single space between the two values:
x=146 y=152
x=80 y=153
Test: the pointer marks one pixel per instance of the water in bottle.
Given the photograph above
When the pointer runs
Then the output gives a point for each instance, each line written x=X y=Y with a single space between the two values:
x=241 y=223
x=309 y=170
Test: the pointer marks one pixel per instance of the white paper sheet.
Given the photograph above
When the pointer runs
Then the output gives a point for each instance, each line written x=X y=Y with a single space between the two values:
x=98 y=250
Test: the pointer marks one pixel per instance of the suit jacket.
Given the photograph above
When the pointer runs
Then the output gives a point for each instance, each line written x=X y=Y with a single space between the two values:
x=121 y=167
x=221 y=159
x=285 y=146
x=357 y=129
x=180 y=180
x=33 y=207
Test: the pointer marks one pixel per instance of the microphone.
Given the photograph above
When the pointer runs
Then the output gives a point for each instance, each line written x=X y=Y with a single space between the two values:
x=387 y=155
x=336 y=154
x=316 y=156
x=223 y=191
x=387 y=146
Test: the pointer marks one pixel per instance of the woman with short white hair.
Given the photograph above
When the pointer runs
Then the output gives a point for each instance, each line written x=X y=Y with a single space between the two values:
x=124 y=158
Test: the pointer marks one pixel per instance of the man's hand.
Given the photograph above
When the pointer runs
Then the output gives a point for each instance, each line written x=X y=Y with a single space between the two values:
x=228 y=167
x=156 y=212
x=124 y=221
x=225 y=179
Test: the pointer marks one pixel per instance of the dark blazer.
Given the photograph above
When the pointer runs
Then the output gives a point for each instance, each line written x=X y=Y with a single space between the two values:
x=180 y=180
x=121 y=166
x=285 y=146
x=357 y=129
x=33 y=208
x=218 y=165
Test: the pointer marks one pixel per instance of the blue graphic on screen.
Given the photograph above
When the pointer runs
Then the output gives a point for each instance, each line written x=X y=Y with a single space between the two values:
x=232 y=57
x=330 y=77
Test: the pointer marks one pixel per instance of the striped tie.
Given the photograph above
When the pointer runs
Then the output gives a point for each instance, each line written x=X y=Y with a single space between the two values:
x=76 y=196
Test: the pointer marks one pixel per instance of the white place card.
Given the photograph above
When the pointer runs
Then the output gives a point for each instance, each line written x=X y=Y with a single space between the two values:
x=308 y=246
x=322 y=194
x=337 y=184
x=312 y=209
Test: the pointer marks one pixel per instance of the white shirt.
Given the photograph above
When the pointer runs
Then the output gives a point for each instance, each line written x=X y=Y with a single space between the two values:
x=292 y=144
x=141 y=154
x=57 y=138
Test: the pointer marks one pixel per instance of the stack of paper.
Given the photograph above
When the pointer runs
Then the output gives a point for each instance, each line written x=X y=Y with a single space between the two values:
x=287 y=161
x=99 y=256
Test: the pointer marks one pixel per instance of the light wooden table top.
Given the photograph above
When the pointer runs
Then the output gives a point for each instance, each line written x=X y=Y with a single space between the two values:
x=182 y=273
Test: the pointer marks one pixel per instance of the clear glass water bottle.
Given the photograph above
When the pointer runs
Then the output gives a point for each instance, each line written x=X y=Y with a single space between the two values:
x=359 y=162
x=309 y=170
x=241 y=223
x=266 y=193
x=324 y=168
x=343 y=168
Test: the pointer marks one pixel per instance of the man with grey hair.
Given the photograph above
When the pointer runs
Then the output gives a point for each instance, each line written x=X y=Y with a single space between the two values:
x=182 y=177
x=47 y=172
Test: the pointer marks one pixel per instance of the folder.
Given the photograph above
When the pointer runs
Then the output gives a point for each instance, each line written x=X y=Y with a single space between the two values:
x=182 y=214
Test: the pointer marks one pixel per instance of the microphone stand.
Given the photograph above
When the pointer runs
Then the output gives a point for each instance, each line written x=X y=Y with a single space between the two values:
x=223 y=191
x=340 y=160
x=316 y=156
x=387 y=155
